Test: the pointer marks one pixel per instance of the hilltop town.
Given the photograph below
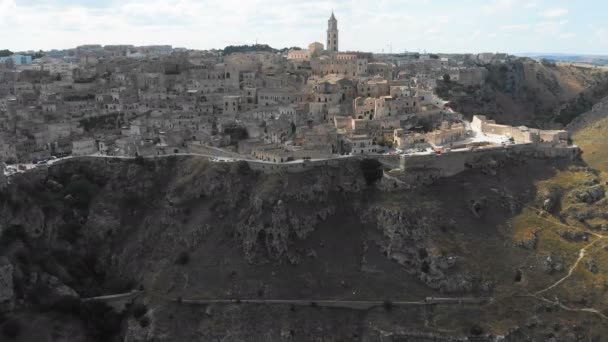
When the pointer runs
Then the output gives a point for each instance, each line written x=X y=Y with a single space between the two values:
x=279 y=107
x=301 y=194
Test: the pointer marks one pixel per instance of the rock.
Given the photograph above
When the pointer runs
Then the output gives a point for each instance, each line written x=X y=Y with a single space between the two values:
x=6 y=280
x=528 y=243
x=589 y=195
x=552 y=264
x=59 y=289
x=55 y=290
x=591 y=266
x=574 y=236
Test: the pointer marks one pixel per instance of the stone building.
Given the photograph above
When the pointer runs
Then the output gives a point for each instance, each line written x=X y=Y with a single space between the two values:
x=446 y=134
x=521 y=134
x=332 y=34
x=84 y=147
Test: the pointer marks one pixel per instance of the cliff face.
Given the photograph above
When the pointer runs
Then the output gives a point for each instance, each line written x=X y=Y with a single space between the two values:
x=188 y=228
x=530 y=93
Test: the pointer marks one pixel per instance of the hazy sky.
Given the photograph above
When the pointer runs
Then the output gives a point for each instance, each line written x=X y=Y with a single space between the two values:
x=370 y=25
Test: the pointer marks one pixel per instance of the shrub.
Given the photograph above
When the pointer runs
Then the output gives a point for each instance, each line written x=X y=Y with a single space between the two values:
x=69 y=231
x=11 y=234
x=101 y=320
x=139 y=309
x=242 y=168
x=183 y=258
x=83 y=191
x=67 y=305
x=372 y=170
x=139 y=160
x=11 y=328
x=388 y=305
x=144 y=322
x=476 y=330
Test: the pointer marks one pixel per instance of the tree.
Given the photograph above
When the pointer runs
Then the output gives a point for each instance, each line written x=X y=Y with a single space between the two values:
x=11 y=328
x=447 y=78
x=5 y=53
x=183 y=258
x=372 y=170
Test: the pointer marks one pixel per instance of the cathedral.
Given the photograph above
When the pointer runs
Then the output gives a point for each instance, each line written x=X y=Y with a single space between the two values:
x=316 y=49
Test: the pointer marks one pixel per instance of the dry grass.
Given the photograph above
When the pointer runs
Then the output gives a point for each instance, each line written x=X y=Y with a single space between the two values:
x=593 y=140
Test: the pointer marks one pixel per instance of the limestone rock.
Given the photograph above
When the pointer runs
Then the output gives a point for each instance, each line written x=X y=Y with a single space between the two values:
x=589 y=195
x=552 y=264
x=529 y=242
x=6 y=280
x=574 y=236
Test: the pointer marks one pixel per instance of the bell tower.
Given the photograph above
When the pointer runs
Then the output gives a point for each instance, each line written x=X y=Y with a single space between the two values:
x=332 y=34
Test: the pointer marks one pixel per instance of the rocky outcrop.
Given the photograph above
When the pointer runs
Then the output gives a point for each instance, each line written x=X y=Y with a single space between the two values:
x=407 y=242
x=6 y=281
x=267 y=231
x=552 y=264
x=589 y=195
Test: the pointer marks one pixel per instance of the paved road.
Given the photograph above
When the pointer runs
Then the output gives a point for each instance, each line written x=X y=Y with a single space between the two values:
x=211 y=157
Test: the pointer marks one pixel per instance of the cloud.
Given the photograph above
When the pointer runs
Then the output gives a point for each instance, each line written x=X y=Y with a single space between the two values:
x=550 y=27
x=203 y=24
x=554 y=12
x=497 y=6
x=514 y=27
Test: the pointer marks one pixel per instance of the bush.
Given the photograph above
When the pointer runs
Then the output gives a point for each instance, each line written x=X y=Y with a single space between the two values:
x=372 y=170
x=139 y=160
x=83 y=191
x=69 y=231
x=11 y=328
x=183 y=258
x=144 y=322
x=388 y=305
x=11 y=234
x=242 y=168
x=476 y=330
x=139 y=309
x=67 y=305
x=101 y=320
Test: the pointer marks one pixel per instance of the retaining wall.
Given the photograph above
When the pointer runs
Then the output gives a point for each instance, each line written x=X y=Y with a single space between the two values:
x=452 y=163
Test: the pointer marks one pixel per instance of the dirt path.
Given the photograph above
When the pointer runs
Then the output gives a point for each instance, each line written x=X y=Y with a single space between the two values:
x=581 y=255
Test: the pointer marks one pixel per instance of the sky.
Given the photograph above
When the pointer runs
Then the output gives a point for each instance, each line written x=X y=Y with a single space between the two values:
x=449 y=26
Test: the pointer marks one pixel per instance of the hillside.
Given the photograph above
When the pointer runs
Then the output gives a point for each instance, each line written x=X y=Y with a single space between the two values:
x=530 y=93
x=183 y=228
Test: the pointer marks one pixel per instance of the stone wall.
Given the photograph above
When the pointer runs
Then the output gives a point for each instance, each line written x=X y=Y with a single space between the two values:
x=452 y=163
x=270 y=168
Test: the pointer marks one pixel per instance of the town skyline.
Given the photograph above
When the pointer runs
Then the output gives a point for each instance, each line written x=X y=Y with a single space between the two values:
x=510 y=26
